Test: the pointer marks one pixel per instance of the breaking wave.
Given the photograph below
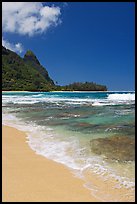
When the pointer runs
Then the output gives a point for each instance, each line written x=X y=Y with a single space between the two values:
x=122 y=97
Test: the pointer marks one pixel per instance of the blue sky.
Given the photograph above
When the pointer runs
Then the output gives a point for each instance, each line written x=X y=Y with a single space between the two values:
x=76 y=41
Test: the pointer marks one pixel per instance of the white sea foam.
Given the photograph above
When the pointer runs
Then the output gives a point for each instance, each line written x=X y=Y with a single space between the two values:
x=122 y=97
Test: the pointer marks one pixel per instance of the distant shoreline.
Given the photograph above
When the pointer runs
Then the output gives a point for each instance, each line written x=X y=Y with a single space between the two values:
x=14 y=91
x=65 y=91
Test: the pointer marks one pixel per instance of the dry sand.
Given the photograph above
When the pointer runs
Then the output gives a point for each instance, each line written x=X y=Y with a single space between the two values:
x=27 y=176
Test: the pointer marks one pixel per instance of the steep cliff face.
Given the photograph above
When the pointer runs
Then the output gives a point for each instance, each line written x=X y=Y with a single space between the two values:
x=32 y=60
x=24 y=74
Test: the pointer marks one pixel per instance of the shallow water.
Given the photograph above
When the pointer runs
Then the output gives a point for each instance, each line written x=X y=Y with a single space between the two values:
x=83 y=130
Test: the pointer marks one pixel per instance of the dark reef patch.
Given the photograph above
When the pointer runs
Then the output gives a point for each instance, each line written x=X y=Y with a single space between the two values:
x=120 y=148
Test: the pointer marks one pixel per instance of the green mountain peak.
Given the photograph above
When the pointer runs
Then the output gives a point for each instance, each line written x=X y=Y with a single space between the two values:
x=31 y=57
x=29 y=53
x=24 y=73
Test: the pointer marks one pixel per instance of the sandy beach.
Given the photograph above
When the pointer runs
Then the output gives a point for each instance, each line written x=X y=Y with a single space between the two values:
x=27 y=176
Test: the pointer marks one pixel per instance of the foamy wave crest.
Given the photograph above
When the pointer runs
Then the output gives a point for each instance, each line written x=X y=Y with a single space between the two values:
x=38 y=99
x=122 y=97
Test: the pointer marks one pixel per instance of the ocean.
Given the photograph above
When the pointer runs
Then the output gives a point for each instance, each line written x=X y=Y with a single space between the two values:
x=85 y=131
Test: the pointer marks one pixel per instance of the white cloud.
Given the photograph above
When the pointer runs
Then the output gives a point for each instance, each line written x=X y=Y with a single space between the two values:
x=28 y=18
x=14 y=47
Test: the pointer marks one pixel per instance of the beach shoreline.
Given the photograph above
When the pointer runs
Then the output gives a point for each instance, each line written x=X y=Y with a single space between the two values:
x=30 y=177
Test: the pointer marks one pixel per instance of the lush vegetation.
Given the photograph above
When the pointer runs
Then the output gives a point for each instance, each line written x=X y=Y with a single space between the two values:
x=24 y=74
x=27 y=74
x=86 y=86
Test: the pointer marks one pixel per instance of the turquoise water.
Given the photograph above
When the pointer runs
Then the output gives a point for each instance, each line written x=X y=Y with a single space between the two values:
x=83 y=130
